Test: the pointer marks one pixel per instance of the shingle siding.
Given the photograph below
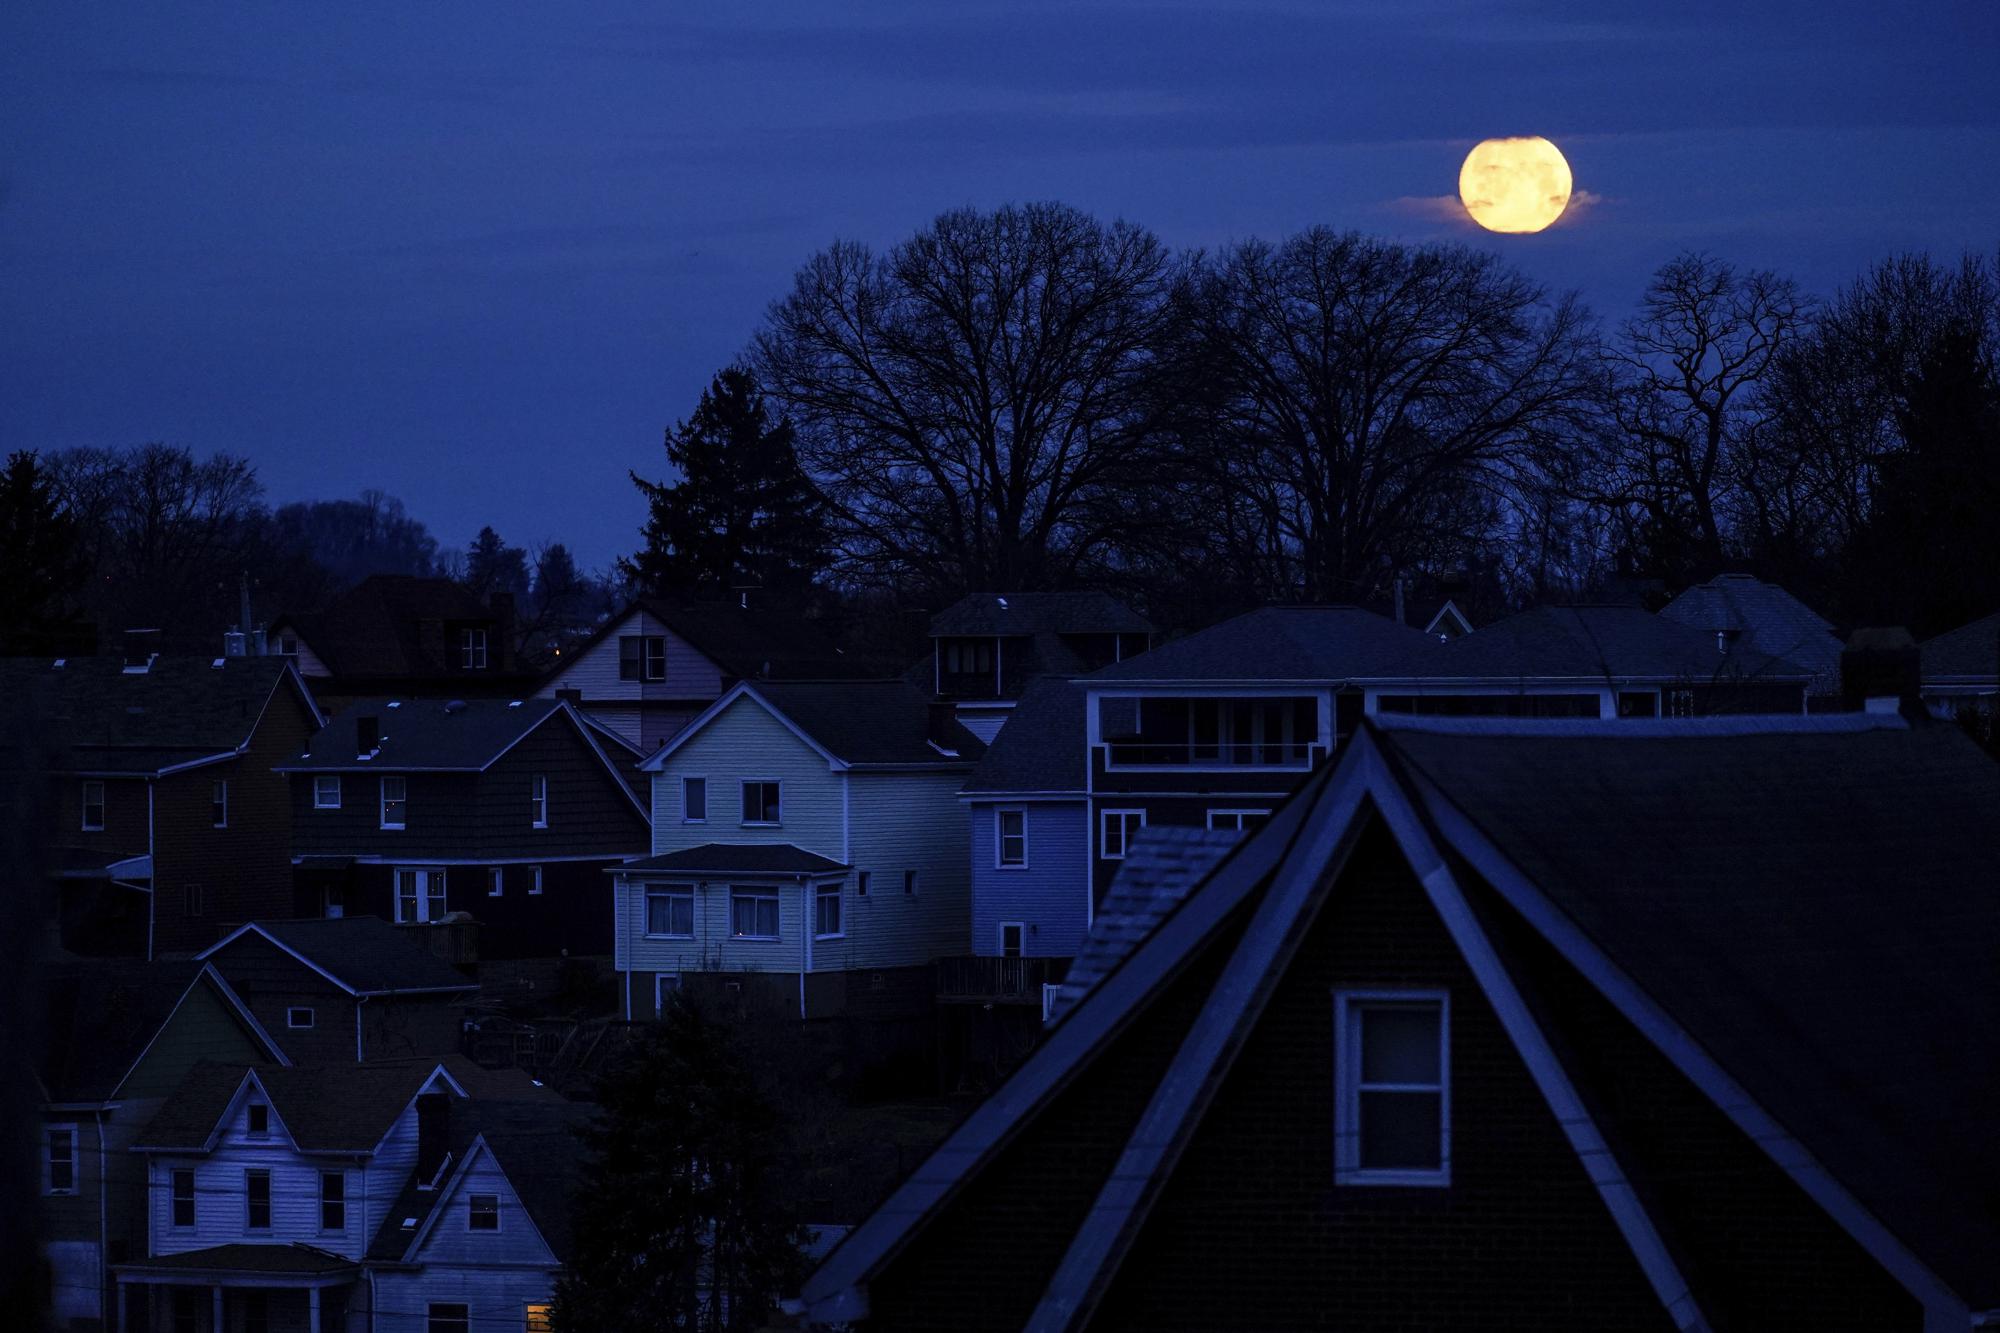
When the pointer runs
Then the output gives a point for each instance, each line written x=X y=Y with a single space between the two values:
x=1050 y=894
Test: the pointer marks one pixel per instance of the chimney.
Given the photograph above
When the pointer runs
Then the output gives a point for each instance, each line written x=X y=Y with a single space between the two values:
x=367 y=735
x=941 y=725
x=433 y=1127
x=1879 y=672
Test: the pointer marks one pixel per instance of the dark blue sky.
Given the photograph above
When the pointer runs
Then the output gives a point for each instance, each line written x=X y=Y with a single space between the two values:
x=479 y=255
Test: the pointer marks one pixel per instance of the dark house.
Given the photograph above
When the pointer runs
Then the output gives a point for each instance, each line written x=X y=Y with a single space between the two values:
x=1961 y=669
x=404 y=635
x=505 y=811
x=169 y=819
x=1505 y=1024
x=986 y=647
x=1743 y=609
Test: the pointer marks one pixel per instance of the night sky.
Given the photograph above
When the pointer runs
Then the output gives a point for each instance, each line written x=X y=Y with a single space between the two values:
x=480 y=255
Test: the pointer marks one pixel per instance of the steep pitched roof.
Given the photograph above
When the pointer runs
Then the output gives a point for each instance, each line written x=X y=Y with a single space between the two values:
x=1320 y=644
x=1041 y=749
x=747 y=643
x=1585 y=643
x=364 y=954
x=1970 y=653
x=1768 y=619
x=858 y=723
x=779 y=858
x=443 y=736
x=179 y=710
x=1023 y=613
x=326 y=1108
x=390 y=626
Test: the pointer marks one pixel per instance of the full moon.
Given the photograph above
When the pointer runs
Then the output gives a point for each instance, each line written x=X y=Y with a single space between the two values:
x=1514 y=185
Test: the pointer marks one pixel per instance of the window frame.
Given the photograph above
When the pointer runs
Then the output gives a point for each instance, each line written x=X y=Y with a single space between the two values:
x=1125 y=832
x=702 y=781
x=320 y=786
x=496 y=882
x=646 y=667
x=191 y=904
x=664 y=982
x=473 y=1212
x=251 y=1127
x=910 y=885
x=325 y=1202
x=292 y=1013
x=1000 y=861
x=834 y=891
x=669 y=890
x=1239 y=813
x=534 y=881
x=218 y=803
x=50 y=1133
x=1000 y=941
x=447 y=1322
x=175 y=1199
x=252 y=1175
x=402 y=802
x=649 y=644
x=538 y=800
x=1350 y=1004
x=758 y=893
x=743 y=803
x=423 y=897
x=471 y=648
x=85 y=804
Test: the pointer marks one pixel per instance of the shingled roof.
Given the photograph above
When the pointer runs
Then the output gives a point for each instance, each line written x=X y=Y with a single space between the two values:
x=1765 y=618
x=740 y=858
x=747 y=643
x=1968 y=655
x=363 y=954
x=1016 y=614
x=325 y=1108
x=1586 y=643
x=392 y=626
x=1319 y=644
x=1041 y=749
x=860 y=723
x=435 y=735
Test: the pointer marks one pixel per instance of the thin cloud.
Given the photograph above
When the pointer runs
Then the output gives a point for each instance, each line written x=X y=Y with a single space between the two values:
x=1449 y=211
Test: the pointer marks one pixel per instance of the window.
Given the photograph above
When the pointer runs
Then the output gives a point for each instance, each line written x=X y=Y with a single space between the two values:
x=534 y=881
x=187 y=1310
x=670 y=909
x=967 y=657
x=1013 y=938
x=760 y=802
x=298 y=1018
x=183 y=1197
x=909 y=883
x=1237 y=819
x=395 y=801
x=218 y=803
x=60 y=1175
x=539 y=1319
x=538 y=800
x=258 y=1116
x=472 y=649
x=1638 y=703
x=1392 y=1109
x=483 y=1212
x=664 y=984
x=326 y=793
x=93 y=806
x=191 y=900
x=288 y=646
x=420 y=894
x=753 y=914
x=694 y=800
x=256 y=1311
x=861 y=884
x=1680 y=703
x=826 y=910
x=257 y=1199
x=642 y=657
x=496 y=881
x=444 y=1318
x=1010 y=836
x=1115 y=831
x=333 y=1201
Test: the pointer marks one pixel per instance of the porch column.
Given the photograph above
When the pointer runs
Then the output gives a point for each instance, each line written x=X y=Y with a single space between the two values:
x=218 y=1326
x=124 y=1308
x=312 y=1309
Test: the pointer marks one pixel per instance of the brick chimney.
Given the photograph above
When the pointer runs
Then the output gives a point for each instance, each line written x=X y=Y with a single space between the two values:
x=1880 y=672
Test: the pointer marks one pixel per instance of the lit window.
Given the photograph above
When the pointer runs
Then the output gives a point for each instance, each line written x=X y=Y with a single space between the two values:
x=1116 y=829
x=826 y=910
x=183 y=1196
x=1392 y=1108
x=753 y=914
x=218 y=803
x=483 y=1212
x=1011 y=837
x=670 y=909
x=694 y=800
x=60 y=1176
x=93 y=806
x=540 y=1317
x=326 y=793
x=761 y=803
x=257 y=1199
x=395 y=801
x=538 y=800
x=332 y=1201
x=496 y=882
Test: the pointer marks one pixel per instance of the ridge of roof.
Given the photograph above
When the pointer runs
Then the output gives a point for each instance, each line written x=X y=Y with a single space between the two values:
x=1329 y=644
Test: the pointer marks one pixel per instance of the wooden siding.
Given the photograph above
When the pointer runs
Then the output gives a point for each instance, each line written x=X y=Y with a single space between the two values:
x=594 y=675
x=389 y=1170
x=899 y=822
x=125 y=831
x=590 y=811
x=498 y=1297
x=452 y=1243
x=270 y=982
x=1050 y=895
x=744 y=742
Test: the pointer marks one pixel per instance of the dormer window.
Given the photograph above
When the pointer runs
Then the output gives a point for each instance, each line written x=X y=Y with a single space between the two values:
x=967 y=657
x=472 y=649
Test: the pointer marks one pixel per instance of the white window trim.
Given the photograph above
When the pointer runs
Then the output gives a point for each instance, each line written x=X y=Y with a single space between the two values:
x=702 y=778
x=424 y=895
x=1347 y=1168
x=837 y=889
x=318 y=787
x=291 y=1016
x=194 y=1199
x=1104 y=818
x=1262 y=812
x=754 y=891
x=646 y=910
x=538 y=799
x=219 y=788
x=270 y=1200
x=472 y=649
x=534 y=881
x=382 y=789
x=646 y=642
x=660 y=988
x=48 y=1164
x=1000 y=939
x=779 y=822
x=497 y=1226
x=84 y=803
x=321 y=1201
x=1000 y=861
x=496 y=882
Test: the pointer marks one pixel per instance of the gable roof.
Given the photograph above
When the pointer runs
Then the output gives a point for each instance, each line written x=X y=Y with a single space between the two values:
x=1317 y=644
x=178 y=712
x=852 y=723
x=344 y=1108
x=1041 y=749
x=391 y=626
x=429 y=735
x=1600 y=644
x=101 y=1016
x=363 y=955
x=1768 y=619
x=747 y=643
x=1023 y=613
x=1968 y=654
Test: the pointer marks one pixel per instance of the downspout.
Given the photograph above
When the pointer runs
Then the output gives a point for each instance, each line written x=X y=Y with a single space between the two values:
x=805 y=944
x=359 y=1055
x=104 y=1212
x=153 y=865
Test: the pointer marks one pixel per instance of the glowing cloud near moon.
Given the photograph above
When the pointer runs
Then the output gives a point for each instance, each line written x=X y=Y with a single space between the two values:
x=1514 y=185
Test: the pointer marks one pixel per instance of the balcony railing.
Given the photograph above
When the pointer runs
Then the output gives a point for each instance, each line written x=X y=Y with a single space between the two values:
x=970 y=980
x=1164 y=754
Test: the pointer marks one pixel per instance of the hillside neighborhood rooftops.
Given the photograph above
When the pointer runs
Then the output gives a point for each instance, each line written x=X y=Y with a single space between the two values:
x=1317 y=644
x=439 y=735
x=393 y=627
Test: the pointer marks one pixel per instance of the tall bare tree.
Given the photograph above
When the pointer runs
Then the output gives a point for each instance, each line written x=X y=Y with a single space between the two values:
x=972 y=404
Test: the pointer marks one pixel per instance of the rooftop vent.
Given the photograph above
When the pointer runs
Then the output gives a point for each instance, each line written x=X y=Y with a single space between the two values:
x=454 y=707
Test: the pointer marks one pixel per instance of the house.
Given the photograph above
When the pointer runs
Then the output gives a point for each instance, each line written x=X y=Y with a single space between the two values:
x=657 y=664
x=1743 y=609
x=328 y=991
x=1588 y=661
x=1216 y=728
x=1504 y=1024
x=117 y=1038
x=809 y=852
x=505 y=810
x=987 y=647
x=272 y=1191
x=1961 y=669
x=169 y=820
x=401 y=634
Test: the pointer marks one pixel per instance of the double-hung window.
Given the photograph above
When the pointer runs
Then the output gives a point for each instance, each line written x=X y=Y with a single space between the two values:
x=395 y=801
x=326 y=793
x=218 y=803
x=183 y=1198
x=538 y=800
x=257 y=1199
x=826 y=910
x=642 y=657
x=694 y=800
x=761 y=802
x=59 y=1175
x=670 y=910
x=1392 y=1088
x=1116 y=829
x=333 y=1201
x=483 y=1212
x=1010 y=839
x=753 y=913
x=472 y=649
x=1234 y=820
x=534 y=881
x=420 y=894
x=93 y=805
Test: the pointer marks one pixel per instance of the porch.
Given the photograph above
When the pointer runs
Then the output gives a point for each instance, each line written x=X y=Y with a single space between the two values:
x=237 y=1289
x=972 y=979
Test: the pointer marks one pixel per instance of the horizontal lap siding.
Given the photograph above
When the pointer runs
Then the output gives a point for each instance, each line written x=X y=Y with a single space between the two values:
x=712 y=947
x=126 y=831
x=270 y=982
x=1049 y=894
x=450 y=1243
x=908 y=821
x=498 y=1298
x=690 y=675
x=442 y=818
x=746 y=742
x=388 y=1171
x=221 y=1198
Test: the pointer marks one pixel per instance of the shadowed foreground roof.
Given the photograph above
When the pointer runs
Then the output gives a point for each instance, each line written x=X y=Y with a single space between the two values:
x=459 y=735
x=179 y=710
x=100 y=1015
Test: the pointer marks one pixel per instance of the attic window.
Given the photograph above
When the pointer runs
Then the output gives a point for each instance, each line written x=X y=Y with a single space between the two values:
x=1392 y=1081
x=260 y=1117
x=298 y=1018
x=483 y=1213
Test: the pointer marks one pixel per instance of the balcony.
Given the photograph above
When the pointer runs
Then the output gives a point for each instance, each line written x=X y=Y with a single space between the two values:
x=974 y=980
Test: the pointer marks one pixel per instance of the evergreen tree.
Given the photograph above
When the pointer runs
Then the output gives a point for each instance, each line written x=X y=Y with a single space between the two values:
x=491 y=566
x=39 y=550
x=681 y=1223
x=743 y=511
